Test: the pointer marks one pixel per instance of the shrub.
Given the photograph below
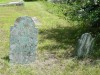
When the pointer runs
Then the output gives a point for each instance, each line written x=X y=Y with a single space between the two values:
x=85 y=13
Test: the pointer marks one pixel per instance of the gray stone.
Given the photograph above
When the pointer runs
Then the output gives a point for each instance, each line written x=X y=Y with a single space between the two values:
x=3 y=4
x=85 y=45
x=16 y=3
x=19 y=3
x=23 y=41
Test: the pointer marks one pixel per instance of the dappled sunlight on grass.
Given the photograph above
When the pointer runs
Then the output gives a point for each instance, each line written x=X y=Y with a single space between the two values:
x=60 y=38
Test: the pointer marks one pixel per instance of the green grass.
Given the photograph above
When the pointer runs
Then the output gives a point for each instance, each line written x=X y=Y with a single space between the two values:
x=6 y=1
x=2 y=1
x=55 y=46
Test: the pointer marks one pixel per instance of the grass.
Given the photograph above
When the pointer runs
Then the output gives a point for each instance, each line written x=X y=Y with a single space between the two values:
x=6 y=1
x=57 y=40
x=3 y=1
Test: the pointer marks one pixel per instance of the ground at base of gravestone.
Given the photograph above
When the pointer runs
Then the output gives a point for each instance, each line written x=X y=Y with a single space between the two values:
x=55 y=45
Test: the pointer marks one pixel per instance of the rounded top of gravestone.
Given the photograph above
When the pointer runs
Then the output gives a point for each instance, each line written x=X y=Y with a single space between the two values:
x=24 y=20
x=23 y=23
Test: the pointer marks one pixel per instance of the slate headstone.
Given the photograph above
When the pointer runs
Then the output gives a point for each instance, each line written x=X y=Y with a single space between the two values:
x=85 y=45
x=23 y=41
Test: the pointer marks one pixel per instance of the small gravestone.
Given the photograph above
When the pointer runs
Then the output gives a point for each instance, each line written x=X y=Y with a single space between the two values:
x=23 y=41
x=85 y=45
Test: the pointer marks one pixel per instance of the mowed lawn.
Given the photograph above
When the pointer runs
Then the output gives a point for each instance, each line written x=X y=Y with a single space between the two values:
x=55 y=44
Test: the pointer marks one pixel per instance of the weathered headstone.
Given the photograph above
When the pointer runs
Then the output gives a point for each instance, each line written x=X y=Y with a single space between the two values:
x=23 y=41
x=85 y=45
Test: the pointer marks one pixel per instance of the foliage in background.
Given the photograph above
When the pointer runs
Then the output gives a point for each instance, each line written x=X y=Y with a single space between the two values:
x=88 y=13
x=83 y=13
x=57 y=9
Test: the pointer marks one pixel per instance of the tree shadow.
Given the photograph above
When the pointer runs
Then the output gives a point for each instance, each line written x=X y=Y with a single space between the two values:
x=66 y=38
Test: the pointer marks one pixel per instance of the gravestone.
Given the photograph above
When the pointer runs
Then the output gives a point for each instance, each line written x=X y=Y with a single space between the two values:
x=85 y=45
x=23 y=41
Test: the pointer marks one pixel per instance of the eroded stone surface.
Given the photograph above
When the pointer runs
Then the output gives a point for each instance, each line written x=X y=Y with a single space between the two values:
x=23 y=41
x=85 y=45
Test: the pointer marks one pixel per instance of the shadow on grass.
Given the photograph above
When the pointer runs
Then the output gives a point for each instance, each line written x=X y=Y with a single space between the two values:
x=6 y=58
x=66 y=38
